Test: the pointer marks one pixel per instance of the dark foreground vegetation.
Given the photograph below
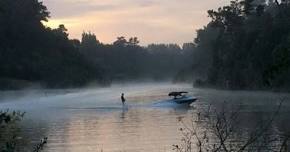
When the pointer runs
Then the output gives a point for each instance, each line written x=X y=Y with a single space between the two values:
x=226 y=129
x=245 y=46
x=10 y=137
x=9 y=130
x=31 y=52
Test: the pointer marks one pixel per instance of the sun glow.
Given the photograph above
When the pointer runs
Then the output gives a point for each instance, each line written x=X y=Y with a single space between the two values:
x=151 y=21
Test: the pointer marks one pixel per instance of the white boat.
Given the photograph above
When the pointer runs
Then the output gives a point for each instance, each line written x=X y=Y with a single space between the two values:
x=185 y=100
x=181 y=98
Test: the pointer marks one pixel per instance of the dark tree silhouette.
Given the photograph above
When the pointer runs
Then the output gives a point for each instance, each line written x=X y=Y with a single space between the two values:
x=246 y=43
x=30 y=52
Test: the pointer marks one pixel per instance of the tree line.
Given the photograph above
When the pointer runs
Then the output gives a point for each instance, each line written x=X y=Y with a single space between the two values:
x=125 y=59
x=245 y=46
x=32 y=52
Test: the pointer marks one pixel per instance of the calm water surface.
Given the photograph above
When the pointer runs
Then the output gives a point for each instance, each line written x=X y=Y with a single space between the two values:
x=94 y=119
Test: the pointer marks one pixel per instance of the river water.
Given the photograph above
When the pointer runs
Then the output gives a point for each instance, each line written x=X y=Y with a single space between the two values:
x=94 y=119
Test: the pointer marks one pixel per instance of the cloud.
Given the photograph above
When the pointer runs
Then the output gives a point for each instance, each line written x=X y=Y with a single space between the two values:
x=65 y=9
x=162 y=21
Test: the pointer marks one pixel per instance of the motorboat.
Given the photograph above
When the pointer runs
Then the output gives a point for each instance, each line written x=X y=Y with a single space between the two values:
x=181 y=98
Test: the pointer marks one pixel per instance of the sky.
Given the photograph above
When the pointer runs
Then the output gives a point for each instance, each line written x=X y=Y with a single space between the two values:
x=152 y=21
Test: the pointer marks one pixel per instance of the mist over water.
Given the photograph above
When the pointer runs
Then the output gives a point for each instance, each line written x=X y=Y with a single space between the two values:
x=94 y=119
x=243 y=45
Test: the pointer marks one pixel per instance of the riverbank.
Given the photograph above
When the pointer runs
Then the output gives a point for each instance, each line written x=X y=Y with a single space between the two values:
x=204 y=84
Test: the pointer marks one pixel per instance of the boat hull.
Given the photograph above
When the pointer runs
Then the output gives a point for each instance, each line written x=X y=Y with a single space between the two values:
x=179 y=102
x=184 y=100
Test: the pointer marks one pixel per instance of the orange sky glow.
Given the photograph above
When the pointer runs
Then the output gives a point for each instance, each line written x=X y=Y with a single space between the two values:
x=152 y=21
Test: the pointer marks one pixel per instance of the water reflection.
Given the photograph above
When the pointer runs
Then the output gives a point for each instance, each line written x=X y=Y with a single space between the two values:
x=124 y=111
x=124 y=130
x=95 y=120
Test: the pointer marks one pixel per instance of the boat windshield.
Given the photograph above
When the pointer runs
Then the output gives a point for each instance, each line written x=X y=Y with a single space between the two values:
x=177 y=94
